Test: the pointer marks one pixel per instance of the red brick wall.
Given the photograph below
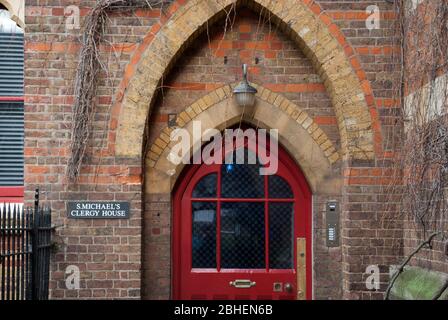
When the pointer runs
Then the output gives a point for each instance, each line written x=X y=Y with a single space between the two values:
x=371 y=232
x=425 y=44
x=110 y=253
x=371 y=229
x=214 y=60
x=426 y=47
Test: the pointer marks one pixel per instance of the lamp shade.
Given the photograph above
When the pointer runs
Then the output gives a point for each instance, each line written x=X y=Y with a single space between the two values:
x=245 y=99
x=244 y=93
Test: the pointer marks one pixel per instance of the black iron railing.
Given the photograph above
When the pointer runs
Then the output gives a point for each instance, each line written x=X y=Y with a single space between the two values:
x=25 y=247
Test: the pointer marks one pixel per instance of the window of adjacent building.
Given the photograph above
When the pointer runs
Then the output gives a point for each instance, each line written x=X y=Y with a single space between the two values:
x=11 y=101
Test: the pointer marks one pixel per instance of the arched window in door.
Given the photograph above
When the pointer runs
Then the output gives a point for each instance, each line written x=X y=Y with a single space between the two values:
x=256 y=219
x=236 y=231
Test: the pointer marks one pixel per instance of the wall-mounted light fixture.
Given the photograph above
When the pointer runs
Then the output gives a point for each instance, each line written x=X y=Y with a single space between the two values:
x=172 y=118
x=244 y=93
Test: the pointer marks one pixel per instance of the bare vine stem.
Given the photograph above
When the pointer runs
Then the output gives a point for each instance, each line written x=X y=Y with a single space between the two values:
x=89 y=68
x=421 y=132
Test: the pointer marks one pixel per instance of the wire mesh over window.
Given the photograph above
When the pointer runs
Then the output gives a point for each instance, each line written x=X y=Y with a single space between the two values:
x=281 y=235
x=204 y=235
x=206 y=187
x=235 y=224
x=242 y=235
x=240 y=178
x=279 y=188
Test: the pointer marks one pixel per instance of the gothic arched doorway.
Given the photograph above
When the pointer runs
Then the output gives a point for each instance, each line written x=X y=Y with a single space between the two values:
x=236 y=232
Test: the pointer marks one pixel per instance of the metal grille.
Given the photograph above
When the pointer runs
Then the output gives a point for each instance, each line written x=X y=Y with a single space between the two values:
x=11 y=143
x=281 y=235
x=244 y=226
x=11 y=64
x=242 y=235
x=204 y=235
x=242 y=180
x=206 y=187
x=279 y=188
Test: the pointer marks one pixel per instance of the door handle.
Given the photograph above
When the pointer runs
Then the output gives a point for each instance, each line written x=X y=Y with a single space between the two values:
x=242 y=284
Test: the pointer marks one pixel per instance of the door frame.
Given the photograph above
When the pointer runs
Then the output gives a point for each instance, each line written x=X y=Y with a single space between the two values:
x=178 y=191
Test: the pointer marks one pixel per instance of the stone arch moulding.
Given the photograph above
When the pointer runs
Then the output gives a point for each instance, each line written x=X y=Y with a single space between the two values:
x=298 y=133
x=319 y=38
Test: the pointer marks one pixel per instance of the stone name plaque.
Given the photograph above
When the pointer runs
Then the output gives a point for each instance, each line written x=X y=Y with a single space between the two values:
x=98 y=210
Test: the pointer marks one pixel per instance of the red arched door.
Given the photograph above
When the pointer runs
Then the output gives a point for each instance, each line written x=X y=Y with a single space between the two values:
x=235 y=231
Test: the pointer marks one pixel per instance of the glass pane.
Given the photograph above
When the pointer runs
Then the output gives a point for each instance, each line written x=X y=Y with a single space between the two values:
x=281 y=235
x=279 y=188
x=242 y=235
x=204 y=235
x=242 y=180
x=206 y=187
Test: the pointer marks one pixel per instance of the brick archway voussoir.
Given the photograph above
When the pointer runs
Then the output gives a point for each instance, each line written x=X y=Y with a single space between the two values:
x=300 y=135
x=320 y=40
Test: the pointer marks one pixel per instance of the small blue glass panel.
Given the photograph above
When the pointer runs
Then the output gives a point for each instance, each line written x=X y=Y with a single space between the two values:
x=241 y=179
